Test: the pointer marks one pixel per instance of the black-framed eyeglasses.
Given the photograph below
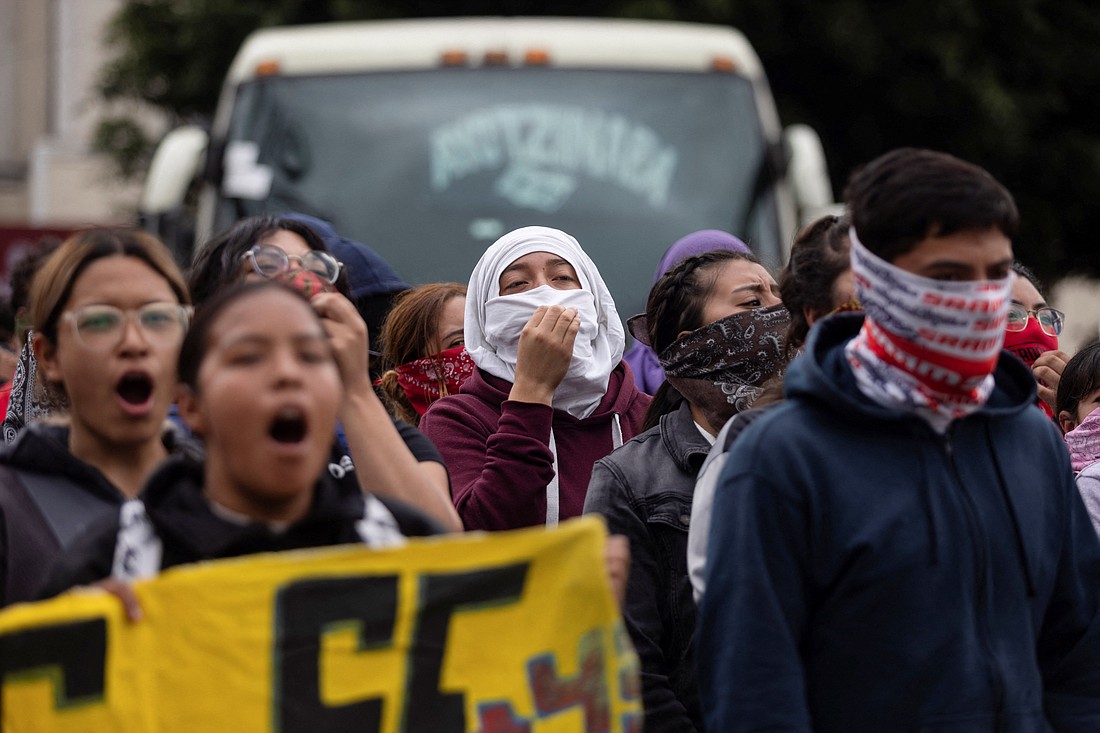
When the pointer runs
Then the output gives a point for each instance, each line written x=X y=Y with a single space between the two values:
x=1050 y=320
x=268 y=260
x=101 y=326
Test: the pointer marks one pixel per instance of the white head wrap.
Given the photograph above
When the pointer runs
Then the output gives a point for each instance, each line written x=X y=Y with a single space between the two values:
x=575 y=394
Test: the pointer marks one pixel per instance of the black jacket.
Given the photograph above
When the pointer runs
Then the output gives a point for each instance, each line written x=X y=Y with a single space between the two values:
x=190 y=531
x=47 y=498
x=644 y=490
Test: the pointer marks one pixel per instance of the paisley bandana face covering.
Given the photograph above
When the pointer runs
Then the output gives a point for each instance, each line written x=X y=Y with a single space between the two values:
x=928 y=346
x=720 y=367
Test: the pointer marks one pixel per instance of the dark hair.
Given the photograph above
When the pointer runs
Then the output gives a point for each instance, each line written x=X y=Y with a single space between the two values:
x=1081 y=376
x=22 y=274
x=908 y=195
x=196 y=341
x=820 y=254
x=675 y=305
x=53 y=283
x=407 y=334
x=7 y=322
x=1026 y=273
x=219 y=261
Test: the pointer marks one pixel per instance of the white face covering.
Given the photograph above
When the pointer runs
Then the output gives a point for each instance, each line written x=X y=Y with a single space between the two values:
x=506 y=315
x=493 y=321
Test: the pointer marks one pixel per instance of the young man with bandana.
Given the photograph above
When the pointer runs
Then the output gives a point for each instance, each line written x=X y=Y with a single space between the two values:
x=899 y=545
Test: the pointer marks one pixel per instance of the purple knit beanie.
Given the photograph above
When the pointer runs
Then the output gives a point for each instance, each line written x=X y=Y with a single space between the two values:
x=648 y=373
x=697 y=243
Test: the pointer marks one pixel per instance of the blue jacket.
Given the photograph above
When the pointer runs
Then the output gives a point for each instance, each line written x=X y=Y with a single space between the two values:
x=867 y=574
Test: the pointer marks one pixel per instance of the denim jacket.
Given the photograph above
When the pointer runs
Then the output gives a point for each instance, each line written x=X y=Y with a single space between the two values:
x=644 y=490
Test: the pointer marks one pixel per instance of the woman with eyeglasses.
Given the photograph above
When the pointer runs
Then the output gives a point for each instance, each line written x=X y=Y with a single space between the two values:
x=109 y=311
x=261 y=247
x=260 y=382
x=391 y=459
x=1031 y=333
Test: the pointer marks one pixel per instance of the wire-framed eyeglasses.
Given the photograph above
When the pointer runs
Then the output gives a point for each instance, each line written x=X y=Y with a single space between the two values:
x=1050 y=319
x=268 y=260
x=101 y=326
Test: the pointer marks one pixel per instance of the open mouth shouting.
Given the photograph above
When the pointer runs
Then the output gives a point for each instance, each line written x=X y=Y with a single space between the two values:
x=135 y=393
x=289 y=426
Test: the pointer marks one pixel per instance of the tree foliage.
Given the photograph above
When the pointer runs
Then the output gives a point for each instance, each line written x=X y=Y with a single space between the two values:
x=1005 y=83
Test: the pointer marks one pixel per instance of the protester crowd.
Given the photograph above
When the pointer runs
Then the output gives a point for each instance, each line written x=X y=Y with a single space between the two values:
x=861 y=493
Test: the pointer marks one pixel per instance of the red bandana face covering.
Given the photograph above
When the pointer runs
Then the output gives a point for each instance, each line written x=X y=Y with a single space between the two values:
x=1029 y=344
x=927 y=346
x=305 y=282
x=426 y=380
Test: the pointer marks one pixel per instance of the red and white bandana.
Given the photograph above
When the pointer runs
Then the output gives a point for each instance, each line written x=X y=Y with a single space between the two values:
x=927 y=346
x=426 y=380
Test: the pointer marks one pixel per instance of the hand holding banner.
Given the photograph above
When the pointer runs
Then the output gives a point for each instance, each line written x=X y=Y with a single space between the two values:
x=513 y=631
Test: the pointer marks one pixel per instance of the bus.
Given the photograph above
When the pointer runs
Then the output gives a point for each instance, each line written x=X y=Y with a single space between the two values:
x=429 y=139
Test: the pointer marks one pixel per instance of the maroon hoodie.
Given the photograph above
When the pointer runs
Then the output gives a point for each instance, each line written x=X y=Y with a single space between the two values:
x=498 y=450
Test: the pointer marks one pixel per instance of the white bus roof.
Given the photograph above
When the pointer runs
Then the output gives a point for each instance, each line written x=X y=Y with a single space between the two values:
x=419 y=44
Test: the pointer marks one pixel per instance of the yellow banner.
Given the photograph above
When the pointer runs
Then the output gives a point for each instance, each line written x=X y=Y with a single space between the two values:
x=513 y=632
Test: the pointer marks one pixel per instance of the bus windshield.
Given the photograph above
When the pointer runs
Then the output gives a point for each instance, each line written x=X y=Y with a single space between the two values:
x=430 y=167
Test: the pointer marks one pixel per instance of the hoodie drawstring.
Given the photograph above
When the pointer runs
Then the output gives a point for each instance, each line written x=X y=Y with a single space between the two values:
x=553 y=495
x=138 y=549
x=553 y=492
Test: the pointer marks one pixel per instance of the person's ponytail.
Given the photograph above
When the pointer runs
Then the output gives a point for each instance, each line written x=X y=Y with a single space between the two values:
x=667 y=399
x=395 y=400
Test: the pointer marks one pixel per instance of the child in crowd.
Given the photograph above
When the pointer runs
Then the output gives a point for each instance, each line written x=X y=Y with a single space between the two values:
x=1077 y=403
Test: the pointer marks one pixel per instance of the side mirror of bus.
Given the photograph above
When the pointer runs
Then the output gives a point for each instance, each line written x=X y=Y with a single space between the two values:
x=172 y=170
x=808 y=174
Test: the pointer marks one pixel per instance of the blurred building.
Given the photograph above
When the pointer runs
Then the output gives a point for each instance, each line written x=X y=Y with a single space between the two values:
x=51 y=52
